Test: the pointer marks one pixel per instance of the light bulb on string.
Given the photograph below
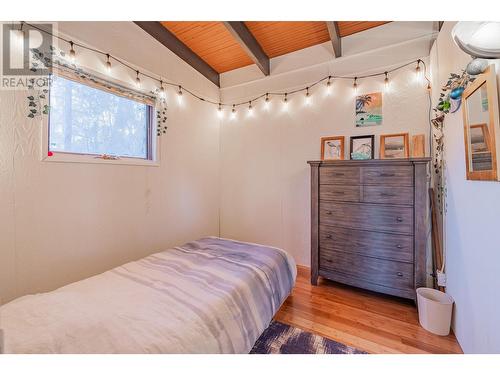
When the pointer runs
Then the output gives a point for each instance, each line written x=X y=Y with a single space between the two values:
x=108 y=63
x=267 y=102
x=285 y=102
x=72 y=53
x=179 y=95
x=250 y=108
x=162 y=89
x=137 y=79
x=418 y=72
x=220 y=112
x=386 y=82
x=355 y=85
x=308 y=97
x=233 y=112
x=20 y=35
x=329 y=85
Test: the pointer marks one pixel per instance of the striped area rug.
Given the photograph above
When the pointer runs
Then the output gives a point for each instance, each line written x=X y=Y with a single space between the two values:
x=280 y=338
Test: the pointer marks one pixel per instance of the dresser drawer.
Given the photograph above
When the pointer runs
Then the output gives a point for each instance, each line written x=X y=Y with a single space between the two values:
x=378 y=271
x=339 y=193
x=387 y=175
x=388 y=194
x=383 y=245
x=339 y=175
x=366 y=216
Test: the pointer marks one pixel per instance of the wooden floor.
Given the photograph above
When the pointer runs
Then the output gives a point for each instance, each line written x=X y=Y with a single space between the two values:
x=366 y=320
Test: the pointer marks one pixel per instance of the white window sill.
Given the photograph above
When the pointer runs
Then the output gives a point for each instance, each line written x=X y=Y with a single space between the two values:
x=60 y=157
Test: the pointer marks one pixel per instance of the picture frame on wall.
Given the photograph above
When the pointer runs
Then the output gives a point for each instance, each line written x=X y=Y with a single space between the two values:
x=394 y=146
x=362 y=147
x=332 y=148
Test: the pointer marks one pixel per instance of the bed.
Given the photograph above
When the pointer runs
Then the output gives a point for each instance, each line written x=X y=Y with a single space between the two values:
x=212 y=295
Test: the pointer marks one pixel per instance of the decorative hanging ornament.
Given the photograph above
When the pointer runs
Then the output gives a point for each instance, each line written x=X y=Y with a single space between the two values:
x=476 y=66
x=456 y=93
x=455 y=104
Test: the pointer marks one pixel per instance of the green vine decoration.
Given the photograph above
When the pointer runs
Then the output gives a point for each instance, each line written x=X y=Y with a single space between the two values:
x=38 y=97
x=449 y=102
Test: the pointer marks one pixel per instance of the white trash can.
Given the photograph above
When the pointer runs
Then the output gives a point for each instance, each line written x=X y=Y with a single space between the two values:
x=434 y=310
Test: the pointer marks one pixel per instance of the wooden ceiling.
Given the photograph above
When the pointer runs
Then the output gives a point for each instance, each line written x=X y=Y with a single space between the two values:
x=216 y=47
x=212 y=42
x=282 y=37
x=347 y=28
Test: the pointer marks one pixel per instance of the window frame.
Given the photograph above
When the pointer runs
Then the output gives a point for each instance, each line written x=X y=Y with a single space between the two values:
x=153 y=144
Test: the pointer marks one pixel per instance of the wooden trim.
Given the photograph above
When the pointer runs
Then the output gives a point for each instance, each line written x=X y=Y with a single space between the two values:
x=314 y=223
x=247 y=41
x=489 y=78
x=126 y=93
x=420 y=221
x=335 y=138
x=406 y=141
x=169 y=40
x=377 y=162
x=333 y=30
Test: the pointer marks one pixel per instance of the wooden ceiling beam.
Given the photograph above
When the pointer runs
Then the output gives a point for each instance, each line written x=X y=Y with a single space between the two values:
x=248 y=42
x=169 y=40
x=333 y=30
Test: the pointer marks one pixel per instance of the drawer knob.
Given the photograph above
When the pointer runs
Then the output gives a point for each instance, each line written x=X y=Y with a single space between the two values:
x=400 y=274
x=387 y=174
x=328 y=212
x=399 y=246
x=399 y=219
x=328 y=236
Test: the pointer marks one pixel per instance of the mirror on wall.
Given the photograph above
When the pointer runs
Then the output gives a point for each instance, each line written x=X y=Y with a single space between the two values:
x=481 y=128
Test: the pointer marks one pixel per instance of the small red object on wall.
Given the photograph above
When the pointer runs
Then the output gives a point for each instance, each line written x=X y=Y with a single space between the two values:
x=50 y=153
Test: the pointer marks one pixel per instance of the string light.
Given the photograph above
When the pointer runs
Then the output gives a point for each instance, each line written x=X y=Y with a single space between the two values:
x=108 y=63
x=20 y=35
x=179 y=95
x=72 y=53
x=386 y=82
x=233 y=112
x=137 y=79
x=162 y=89
x=329 y=85
x=267 y=102
x=220 y=113
x=308 y=96
x=285 y=102
x=419 y=72
x=250 y=108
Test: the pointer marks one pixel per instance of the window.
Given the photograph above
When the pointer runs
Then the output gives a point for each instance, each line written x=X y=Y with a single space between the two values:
x=86 y=120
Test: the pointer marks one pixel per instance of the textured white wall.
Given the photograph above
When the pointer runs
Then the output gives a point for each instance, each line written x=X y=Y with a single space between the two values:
x=265 y=176
x=471 y=224
x=61 y=222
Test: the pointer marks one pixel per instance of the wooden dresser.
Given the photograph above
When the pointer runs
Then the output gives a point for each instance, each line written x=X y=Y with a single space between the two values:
x=369 y=223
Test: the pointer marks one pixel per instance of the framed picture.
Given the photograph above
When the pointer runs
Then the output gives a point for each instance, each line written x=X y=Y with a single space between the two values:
x=362 y=147
x=332 y=148
x=394 y=146
x=369 y=109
